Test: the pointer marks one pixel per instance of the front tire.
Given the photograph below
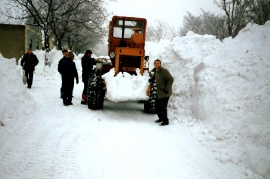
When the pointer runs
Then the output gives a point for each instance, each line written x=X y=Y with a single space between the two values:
x=95 y=93
x=149 y=105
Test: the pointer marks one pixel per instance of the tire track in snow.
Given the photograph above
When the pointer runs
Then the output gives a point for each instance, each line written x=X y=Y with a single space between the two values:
x=99 y=144
x=40 y=149
x=44 y=139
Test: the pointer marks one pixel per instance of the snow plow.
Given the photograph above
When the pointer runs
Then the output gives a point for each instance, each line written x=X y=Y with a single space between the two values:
x=126 y=43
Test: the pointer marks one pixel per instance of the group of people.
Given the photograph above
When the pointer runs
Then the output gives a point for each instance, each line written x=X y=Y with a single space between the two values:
x=68 y=71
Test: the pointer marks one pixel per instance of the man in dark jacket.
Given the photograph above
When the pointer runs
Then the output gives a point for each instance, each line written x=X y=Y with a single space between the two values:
x=64 y=52
x=87 y=66
x=28 y=63
x=68 y=70
x=164 y=82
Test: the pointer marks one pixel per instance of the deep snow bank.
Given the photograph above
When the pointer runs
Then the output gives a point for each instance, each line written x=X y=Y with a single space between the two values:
x=14 y=96
x=240 y=94
x=221 y=89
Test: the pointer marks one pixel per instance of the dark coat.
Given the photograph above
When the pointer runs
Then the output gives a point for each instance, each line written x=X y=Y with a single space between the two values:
x=164 y=82
x=87 y=66
x=68 y=70
x=29 y=61
x=61 y=60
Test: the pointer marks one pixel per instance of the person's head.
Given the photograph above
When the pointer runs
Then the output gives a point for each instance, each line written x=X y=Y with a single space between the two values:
x=157 y=63
x=88 y=53
x=65 y=52
x=29 y=50
x=70 y=55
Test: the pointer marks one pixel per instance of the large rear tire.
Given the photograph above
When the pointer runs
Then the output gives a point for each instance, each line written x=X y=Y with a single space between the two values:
x=95 y=92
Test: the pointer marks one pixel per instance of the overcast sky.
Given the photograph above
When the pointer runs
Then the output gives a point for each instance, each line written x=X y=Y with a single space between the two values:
x=171 y=11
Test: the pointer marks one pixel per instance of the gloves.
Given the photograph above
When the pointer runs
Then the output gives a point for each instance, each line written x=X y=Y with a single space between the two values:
x=165 y=91
x=151 y=80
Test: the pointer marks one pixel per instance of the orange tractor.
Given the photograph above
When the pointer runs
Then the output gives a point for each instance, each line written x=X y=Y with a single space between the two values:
x=126 y=44
x=126 y=49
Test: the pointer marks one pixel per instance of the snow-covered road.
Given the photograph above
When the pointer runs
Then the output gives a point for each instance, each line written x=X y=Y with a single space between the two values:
x=118 y=142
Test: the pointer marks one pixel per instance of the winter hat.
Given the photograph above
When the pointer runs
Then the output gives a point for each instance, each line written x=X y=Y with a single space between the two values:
x=87 y=52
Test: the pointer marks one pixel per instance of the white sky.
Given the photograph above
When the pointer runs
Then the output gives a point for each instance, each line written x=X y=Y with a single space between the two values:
x=219 y=117
x=171 y=11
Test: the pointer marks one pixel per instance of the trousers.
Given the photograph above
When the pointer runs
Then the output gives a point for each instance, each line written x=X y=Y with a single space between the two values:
x=161 y=109
x=29 y=76
x=68 y=85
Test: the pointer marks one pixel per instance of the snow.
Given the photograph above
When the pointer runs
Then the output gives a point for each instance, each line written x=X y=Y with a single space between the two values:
x=124 y=87
x=219 y=116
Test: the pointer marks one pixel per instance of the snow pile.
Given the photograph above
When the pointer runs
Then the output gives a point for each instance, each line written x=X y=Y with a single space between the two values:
x=15 y=99
x=124 y=87
x=221 y=89
x=237 y=105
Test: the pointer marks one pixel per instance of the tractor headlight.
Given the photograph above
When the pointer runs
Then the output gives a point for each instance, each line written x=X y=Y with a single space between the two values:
x=112 y=54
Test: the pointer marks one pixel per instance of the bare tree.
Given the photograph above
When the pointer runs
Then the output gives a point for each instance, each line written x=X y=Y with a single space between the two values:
x=81 y=40
x=33 y=13
x=240 y=12
x=258 y=11
x=59 y=17
x=161 y=30
x=235 y=11
x=192 y=23
x=88 y=18
x=214 y=25
x=28 y=9
x=206 y=23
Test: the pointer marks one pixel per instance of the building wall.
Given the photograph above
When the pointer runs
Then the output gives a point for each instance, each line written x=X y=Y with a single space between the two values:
x=33 y=38
x=12 y=40
x=16 y=39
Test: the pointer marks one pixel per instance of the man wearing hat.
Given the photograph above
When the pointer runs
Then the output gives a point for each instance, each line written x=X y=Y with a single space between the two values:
x=28 y=63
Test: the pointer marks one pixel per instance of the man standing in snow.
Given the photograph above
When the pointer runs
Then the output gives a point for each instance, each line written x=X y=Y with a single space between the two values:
x=64 y=52
x=68 y=70
x=164 y=82
x=28 y=63
x=87 y=66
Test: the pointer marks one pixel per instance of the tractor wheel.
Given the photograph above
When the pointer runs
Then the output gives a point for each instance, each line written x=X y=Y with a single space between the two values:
x=149 y=105
x=95 y=96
